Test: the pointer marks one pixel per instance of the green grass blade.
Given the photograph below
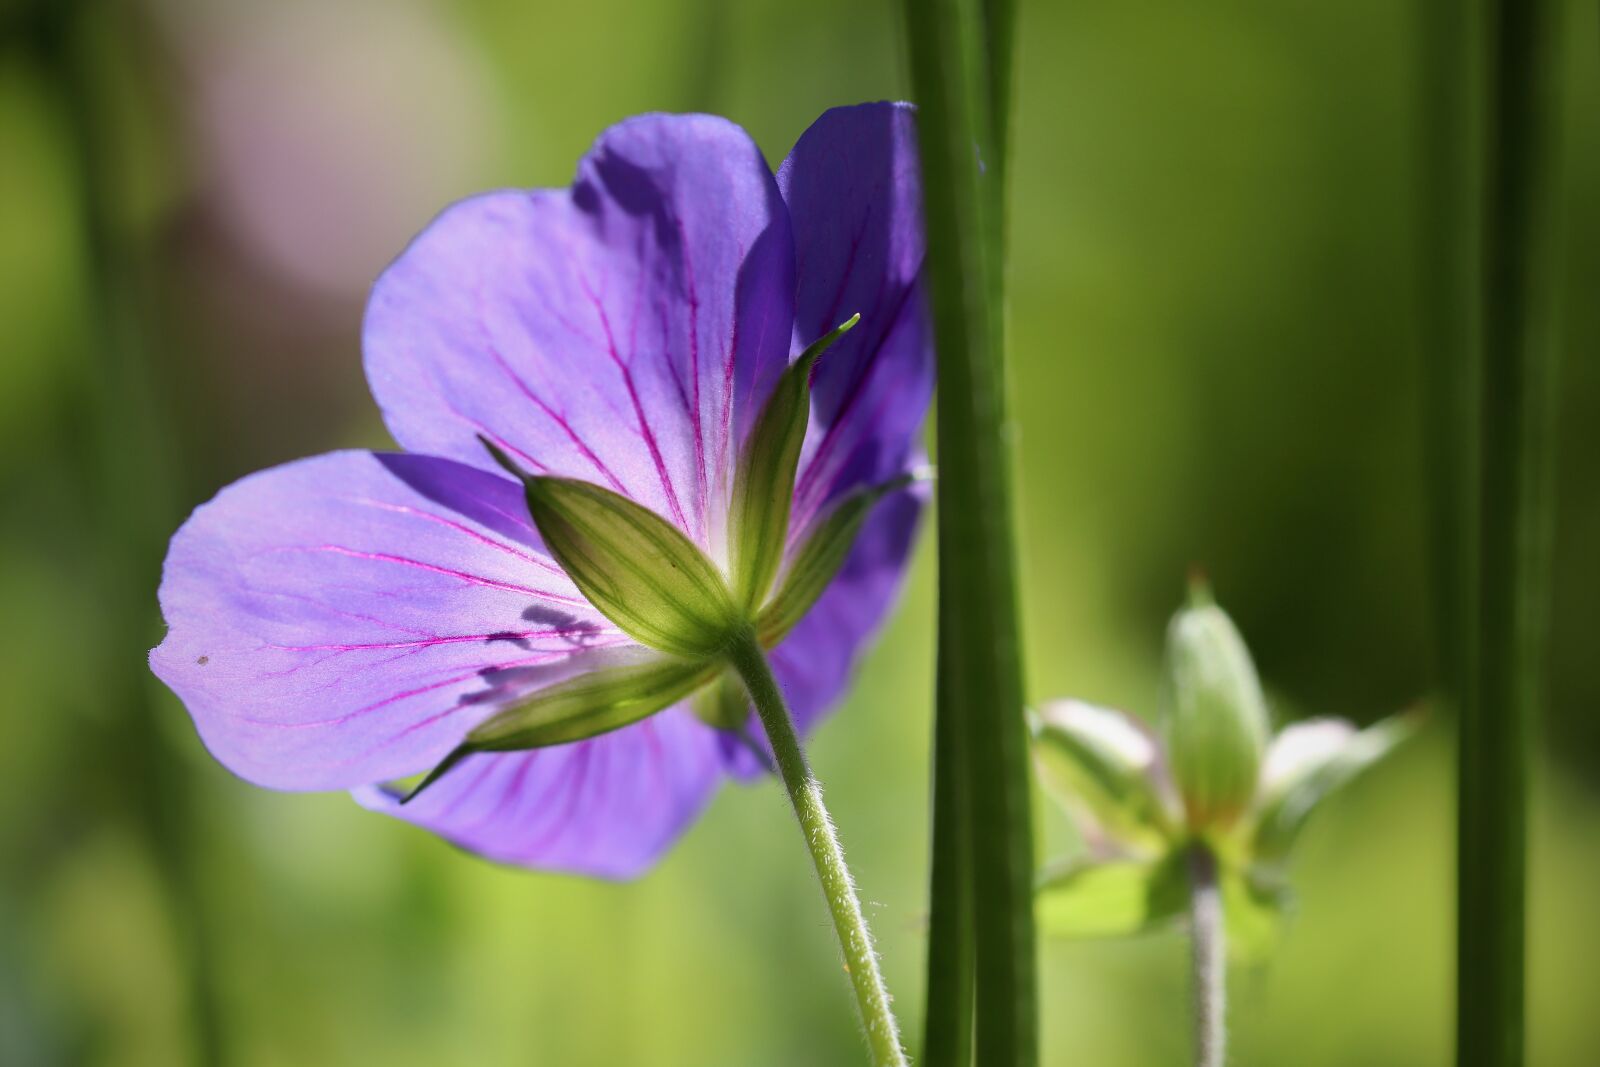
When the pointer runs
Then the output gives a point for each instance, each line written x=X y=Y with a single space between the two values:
x=1515 y=415
x=980 y=685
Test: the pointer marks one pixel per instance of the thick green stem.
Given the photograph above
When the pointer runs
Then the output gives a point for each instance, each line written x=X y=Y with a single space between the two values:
x=805 y=793
x=1514 y=450
x=983 y=843
x=1206 y=938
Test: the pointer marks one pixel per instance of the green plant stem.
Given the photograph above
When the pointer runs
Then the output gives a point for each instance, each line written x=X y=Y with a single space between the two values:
x=1514 y=449
x=984 y=837
x=805 y=793
x=1209 y=954
x=947 y=1019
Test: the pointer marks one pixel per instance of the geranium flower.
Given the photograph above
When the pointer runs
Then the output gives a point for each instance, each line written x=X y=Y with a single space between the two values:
x=345 y=621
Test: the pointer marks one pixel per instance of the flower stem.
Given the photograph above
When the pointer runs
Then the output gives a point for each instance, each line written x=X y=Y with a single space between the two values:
x=805 y=793
x=1206 y=938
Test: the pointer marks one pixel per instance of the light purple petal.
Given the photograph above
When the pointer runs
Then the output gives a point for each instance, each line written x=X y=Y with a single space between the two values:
x=624 y=331
x=853 y=189
x=346 y=619
x=606 y=807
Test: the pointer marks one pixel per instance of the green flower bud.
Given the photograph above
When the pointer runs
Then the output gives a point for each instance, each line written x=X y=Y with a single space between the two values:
x=1213 y=714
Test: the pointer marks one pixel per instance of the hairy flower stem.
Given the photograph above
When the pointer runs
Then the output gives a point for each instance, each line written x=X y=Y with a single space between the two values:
x=805 y=793
x=1206 y=938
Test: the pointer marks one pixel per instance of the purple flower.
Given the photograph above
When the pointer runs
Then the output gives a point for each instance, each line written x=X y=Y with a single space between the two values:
x=343 y=621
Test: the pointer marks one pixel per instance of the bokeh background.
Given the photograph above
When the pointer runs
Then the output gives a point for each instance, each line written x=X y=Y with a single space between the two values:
x=1217 y=359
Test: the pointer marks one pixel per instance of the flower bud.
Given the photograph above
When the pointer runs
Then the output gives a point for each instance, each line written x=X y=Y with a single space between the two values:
x=1213 y=715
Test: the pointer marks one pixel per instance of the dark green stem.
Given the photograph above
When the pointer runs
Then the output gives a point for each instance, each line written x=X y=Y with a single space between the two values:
x=805 y=793
x=988 y=830
x=1515 y=441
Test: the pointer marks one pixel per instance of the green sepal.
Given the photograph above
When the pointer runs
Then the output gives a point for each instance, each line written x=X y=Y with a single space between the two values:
x=1253 y=913
x=637 y=569
x=1103 y=766
x=1214 y=716
x=723 y=705
x=1285 y=806
x=763 y=486
x=1111 y=898
x=593 y=703
x=818 y=560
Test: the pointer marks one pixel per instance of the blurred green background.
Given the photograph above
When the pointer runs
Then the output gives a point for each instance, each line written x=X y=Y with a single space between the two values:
x=1216 y=360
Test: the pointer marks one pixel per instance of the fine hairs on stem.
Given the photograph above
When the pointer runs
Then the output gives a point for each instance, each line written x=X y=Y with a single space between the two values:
x=1206 y=936
x=805 y=793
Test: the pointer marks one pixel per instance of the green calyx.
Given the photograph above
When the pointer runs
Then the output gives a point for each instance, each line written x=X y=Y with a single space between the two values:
x=658 y=587
x=763 y=488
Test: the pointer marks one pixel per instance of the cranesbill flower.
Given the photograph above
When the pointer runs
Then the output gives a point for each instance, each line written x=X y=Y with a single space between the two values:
x=346 y=621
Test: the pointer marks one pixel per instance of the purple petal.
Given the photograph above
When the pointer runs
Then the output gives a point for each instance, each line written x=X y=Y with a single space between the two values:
x=606 y=807
x=346 y=619
x=815 y=662
x=854 y=194
x=624 y=331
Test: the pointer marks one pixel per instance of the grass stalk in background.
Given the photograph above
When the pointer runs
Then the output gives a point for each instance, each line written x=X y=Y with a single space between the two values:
x=130 y=469
x=1514 y=450
x=1449 y=279
x=982 y=881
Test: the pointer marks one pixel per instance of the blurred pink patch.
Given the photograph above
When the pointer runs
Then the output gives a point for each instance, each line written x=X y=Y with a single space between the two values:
x=326 y=130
